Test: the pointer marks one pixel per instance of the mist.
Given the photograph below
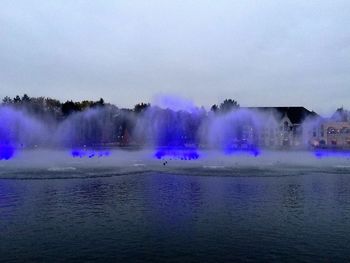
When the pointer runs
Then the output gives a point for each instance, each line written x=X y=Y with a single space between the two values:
x=169 y=125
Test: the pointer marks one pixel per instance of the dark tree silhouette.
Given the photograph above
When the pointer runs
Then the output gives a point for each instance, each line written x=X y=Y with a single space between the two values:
x=69 y=107
x=7 y=100
x=228 y=105
x=141 y=107
x=101 y=102
x=16 y=99
x=25 y=98
x=214 y=108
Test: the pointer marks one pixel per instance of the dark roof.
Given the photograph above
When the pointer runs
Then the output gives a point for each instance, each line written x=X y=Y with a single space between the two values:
x=296 y=114
x=341 y=115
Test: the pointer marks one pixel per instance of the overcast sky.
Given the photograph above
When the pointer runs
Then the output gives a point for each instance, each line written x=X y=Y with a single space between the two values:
x=261 y=53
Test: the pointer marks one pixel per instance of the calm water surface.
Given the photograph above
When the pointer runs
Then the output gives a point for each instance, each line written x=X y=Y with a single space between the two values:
x=170 y=217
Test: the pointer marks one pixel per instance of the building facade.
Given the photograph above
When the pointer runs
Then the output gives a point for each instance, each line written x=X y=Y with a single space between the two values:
x=332 y=134
x=283 y=127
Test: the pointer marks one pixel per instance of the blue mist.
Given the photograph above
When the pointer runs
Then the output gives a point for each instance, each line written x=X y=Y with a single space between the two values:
x=251 y=150
x=7 y=148
x=7 y=151
x=329 y=153
x=180 y=153
x=80 y=153
x=176 y=134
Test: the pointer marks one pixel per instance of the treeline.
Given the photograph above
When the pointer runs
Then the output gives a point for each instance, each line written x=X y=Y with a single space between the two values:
x=53 y=107
x=94 y=123
x=61 y=109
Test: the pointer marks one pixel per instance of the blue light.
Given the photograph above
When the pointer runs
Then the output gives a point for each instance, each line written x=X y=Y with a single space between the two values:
x=180 y=153
x=76 y=153
x=254 y=152
x=331 y=153
x=247 y=149
x=175 y=135
x=6 y=151
x=7 y=142
x=79 y=153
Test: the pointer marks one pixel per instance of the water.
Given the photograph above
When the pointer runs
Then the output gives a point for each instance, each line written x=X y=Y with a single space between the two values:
x=289 y=207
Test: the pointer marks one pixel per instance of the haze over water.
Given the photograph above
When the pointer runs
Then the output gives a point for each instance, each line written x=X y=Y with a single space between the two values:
x=279 y=206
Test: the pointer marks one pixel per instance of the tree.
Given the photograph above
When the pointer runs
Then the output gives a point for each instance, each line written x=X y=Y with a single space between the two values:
x=25 y=98
x=214 y=108
x=53 y=106
x=16 y=99
x=7 y=100
x=228 y=105
x=94 y=104
x=69 y=106
x=101 y=102
x=141 y=107
x=85 y=104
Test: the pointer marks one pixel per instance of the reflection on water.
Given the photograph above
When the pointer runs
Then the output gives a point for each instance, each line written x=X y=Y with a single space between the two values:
x=176 y=218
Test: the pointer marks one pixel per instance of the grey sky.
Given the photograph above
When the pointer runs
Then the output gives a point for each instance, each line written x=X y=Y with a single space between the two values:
x=262 y=53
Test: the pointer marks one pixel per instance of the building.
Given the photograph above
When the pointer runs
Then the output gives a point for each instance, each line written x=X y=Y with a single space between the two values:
x=333 y=132
x=283 y=126
x=337 y=134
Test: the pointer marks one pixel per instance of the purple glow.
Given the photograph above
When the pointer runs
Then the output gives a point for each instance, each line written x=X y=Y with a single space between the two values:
x=6 y=151
x=174 y=129
x=174 y=103
x=177 y=153
x=254 y=151
x=236 y=132
x=329 y=153
x=78 y=153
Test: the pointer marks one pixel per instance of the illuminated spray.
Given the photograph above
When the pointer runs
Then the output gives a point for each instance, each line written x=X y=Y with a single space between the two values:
x=173 y=127
x=81 y=153
x=234 y=132
x=18 y=129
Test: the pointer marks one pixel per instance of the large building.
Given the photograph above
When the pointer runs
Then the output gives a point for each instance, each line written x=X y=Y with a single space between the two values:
x=283 y=126
x=333 y=132
x=295 y=127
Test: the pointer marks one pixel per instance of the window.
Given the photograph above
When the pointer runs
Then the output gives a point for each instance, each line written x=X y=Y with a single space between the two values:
x=331 y=130
x=345 y=130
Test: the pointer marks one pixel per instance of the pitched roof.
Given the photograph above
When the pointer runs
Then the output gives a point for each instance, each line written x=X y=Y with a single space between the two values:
x=341 y=115
x=296 y=114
